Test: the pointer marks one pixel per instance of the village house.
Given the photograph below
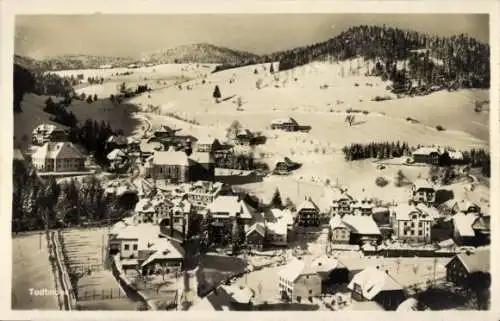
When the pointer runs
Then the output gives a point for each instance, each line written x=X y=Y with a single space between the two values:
x=308 y=213
x=277 y=233
x=298 y=282
x=286 y=166
x=171 y=165
x=117 y=159
x=339 y=232
x=126 y=143
x=330 y=269
x=373 y=284
x=161 y=256
x=364 y=204
x=342 y=202
x=201 y=193
x=45 y=133
x=286 y=124
x=207 y=145
x=411 y=224
x=278 y=215
x=223 y=210
x=140 y=246
x=58 y=157
x=423 y=192
x=152 y=208
x=466 y=269
x=427 y=155
x=256 y=235
x=166 y=132
x=363 y=229
x=202 y=166
x=181 y=211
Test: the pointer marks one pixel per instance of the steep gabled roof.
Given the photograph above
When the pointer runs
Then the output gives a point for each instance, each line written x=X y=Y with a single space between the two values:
x=257 y=227
x=170 y=157
x=57 y=150
x=478 y=261
x=293 y=270
x=307 y=204
x=164 y=249
x=361 y=224
x=373 y=281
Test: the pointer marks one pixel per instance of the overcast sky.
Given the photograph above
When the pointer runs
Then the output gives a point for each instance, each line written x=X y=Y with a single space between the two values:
x=130 y=35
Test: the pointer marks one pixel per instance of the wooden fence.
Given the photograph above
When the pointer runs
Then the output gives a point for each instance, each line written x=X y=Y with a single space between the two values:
x=108 y=294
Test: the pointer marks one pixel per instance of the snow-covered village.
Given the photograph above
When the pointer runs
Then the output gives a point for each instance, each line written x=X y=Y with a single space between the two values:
x=348 y=172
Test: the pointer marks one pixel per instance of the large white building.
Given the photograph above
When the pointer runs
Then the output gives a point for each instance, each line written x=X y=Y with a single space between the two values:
x=412 y=223
x=58 y=157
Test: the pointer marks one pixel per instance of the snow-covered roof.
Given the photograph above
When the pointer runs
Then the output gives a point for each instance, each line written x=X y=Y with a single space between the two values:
x=404 y=211
x=116 y=154
x=426 y=151
x=361 y=224
x=285 y=215
x=307 y=204
x=170 y=157
x=144 y=231
x=373 y=281
x=431 y=211
x=336 y=222
x=165 y=249
x=479 y=261
x=57 y=150
x=463 y=224
x=293 y=270
x=277 y=228
x=231 y=205
x=325 y=263
x=257 y=227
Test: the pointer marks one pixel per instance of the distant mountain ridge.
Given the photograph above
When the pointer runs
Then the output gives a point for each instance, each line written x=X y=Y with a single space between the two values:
x=198 y=53
x=67 y=62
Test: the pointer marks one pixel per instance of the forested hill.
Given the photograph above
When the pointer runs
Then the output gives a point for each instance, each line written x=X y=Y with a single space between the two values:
x=448 y=62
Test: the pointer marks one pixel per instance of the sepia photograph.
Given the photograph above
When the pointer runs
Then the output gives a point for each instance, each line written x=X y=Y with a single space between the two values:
x=251 y=162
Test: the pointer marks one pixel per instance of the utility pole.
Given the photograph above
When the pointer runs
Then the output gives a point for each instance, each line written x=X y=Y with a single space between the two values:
x=434 y=273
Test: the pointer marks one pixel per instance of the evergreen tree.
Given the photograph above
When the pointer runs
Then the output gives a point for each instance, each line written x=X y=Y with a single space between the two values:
x=217 y=94
x=276 y=201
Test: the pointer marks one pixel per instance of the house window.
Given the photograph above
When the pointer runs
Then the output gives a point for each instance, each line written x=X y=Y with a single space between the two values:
x=135 y=247
x=419 y=224
x=126 y=247
x=310 y=291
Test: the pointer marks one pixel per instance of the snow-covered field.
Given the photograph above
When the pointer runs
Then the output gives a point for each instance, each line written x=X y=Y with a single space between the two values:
x=31 y=270
x=320 y=95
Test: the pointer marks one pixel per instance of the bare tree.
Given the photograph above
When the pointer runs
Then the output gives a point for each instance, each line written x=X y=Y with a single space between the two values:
x=350 y=119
